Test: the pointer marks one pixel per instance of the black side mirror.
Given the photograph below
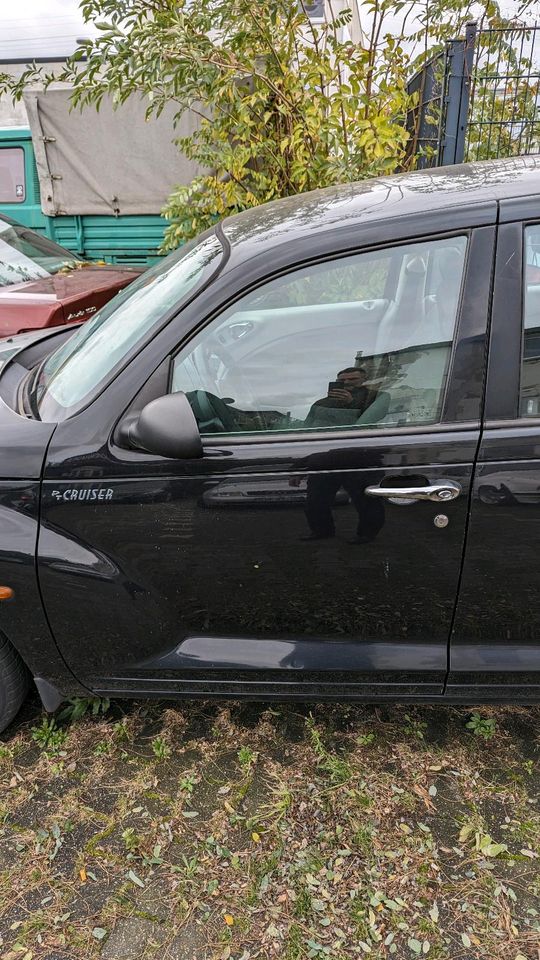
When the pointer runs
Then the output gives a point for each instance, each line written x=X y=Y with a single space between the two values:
x=166 y=427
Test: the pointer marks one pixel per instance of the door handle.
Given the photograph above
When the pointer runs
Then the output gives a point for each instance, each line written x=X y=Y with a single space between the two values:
x=439 y=492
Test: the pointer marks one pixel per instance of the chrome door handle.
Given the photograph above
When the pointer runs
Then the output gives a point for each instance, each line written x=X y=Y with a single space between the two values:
x=439 y=492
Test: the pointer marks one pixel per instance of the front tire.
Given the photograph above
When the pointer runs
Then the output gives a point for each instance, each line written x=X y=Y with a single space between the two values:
x=13 y=683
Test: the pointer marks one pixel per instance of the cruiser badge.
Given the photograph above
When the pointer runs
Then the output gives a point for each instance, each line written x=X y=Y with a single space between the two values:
x=89 y=493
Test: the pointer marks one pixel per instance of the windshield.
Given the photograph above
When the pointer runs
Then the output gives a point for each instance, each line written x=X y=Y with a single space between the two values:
x=25 y=255
x=79 y=369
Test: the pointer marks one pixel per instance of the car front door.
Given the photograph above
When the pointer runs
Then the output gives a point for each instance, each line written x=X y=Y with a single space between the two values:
x=315 y=548
x=496 y=642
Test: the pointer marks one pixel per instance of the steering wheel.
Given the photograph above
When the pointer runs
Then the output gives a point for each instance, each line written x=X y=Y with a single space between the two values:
x=207 y=407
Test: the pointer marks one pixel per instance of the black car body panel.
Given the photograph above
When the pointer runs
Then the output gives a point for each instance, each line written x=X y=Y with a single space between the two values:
x=23 y=620
x=495 y=648
x=177 y=573
x=22 y=445
x=171 y=594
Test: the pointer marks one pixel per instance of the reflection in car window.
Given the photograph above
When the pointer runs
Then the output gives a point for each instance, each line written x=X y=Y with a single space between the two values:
x=363 y=340
x=85 y=362
x=25 y=255
x=530 y=368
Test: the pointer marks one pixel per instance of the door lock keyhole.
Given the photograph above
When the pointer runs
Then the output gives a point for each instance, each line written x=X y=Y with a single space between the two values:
x=441 y=520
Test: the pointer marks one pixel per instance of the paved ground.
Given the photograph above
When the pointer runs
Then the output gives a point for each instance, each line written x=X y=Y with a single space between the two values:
x=241 y=831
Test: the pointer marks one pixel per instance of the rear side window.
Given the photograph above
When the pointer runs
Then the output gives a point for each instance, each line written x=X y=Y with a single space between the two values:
x=12 y=181
x=529 y=404
x=359 y=341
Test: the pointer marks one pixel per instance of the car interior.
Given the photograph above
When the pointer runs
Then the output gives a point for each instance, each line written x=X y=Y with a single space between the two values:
x=263 y=366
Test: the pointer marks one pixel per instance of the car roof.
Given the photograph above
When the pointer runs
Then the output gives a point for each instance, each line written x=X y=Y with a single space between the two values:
x=381 y=198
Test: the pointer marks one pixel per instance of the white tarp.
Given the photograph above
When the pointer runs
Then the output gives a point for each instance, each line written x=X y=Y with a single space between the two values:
x=106 y=162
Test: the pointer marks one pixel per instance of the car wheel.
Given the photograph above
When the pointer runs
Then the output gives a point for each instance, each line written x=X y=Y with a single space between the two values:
x=13 y=683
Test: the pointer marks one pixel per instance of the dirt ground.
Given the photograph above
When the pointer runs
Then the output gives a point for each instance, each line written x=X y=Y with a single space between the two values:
x=234 y=831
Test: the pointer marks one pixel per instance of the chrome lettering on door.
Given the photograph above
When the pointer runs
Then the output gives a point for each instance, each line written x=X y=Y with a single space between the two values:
x=92 y=493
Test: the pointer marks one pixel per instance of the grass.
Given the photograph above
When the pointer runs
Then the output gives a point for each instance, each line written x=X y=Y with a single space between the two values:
x=230 y=832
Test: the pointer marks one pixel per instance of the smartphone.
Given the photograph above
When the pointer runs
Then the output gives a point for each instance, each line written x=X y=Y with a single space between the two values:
x=336 y=385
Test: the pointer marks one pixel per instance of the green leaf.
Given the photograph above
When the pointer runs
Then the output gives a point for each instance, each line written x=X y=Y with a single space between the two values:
x=135 y=879
x=466 y=940
x=99 y=933
x=465 y=832
x=494 y=849
x=414 y=945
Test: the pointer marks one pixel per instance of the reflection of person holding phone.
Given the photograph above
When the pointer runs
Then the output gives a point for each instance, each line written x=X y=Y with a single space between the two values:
x=347 y=398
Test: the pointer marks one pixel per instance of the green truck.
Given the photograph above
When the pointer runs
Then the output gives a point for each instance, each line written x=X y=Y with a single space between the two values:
x=93 y=182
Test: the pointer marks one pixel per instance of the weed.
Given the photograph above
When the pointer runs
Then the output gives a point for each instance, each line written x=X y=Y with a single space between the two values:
x=78 y=707
x=415 y=728
x=277 y=809
x=120 y=730
x=49 y=736
x=316 y=951
x=153 y=859
x=132 y=840
x=339 y=770
x=92 y=847
x=483 y=843
x=246 y=758
x=362 y=838
x=293 y=946
x=51 y=840
x=188 y=783
x=315 y=737
x=302 y=904
x=365 y=739
x=161 y=748
x=190 y=867
x=482 y=726
x=262 y=873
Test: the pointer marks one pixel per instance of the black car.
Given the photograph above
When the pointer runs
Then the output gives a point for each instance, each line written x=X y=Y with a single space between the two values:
x=357 y=372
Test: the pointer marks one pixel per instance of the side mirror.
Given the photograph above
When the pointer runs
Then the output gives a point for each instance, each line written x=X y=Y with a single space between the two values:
x=166 y=427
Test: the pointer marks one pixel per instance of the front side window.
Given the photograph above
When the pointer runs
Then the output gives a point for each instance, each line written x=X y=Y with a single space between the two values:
x=12 y=181
x=80 y=368
x=529 y=404
x=361 y=341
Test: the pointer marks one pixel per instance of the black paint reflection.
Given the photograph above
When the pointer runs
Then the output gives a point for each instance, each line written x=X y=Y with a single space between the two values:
x=497 y=624
x=225 y=558
x=321 y=495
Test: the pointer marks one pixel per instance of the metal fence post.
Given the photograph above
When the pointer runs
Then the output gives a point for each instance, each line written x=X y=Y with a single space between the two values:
x=457 y=93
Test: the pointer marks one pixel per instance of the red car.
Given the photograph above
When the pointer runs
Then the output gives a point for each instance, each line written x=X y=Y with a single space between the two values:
x=43 y=285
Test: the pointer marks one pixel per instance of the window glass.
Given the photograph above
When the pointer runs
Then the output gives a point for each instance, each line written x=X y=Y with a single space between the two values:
x=530 y=368
x=26 y=255
x=12 y=182
x=364 y=340
x=315 y=9
x=73 y=374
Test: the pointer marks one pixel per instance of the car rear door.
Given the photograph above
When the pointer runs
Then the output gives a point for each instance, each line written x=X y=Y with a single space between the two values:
x=495 y=650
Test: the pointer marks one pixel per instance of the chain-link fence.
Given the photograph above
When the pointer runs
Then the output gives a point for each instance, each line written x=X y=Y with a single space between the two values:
x=504 y=108
x=478 y=98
